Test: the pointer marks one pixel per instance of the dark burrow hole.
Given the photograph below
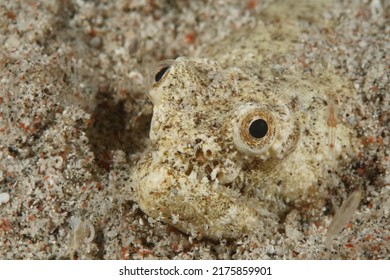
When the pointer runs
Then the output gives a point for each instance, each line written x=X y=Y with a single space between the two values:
x=110 y=130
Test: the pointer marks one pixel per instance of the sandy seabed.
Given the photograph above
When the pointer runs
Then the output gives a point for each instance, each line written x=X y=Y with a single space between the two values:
x=74 y=119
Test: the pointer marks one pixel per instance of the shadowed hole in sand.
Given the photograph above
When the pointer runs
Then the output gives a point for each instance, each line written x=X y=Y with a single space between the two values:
x=111 y=130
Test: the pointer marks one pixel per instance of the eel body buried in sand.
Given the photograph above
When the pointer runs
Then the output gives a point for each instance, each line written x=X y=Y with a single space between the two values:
x=243 y=136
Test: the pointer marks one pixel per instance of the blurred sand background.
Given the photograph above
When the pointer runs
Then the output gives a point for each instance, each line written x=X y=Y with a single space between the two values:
x=74 y=119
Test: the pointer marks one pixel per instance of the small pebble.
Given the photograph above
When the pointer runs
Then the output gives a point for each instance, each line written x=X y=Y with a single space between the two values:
x=12 y=43
x=96 y=42
x=4 y=198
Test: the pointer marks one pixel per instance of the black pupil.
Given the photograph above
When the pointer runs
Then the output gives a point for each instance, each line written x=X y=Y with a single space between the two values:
x=161 y=73
x=258 y=128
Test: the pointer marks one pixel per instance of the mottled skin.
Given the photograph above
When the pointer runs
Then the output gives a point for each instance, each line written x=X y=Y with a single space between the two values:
x=204 y=172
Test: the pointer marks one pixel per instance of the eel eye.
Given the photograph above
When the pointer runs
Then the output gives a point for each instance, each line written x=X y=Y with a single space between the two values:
x=254 y=130
x=258 y=128
x=155 y=78
x=160 y=74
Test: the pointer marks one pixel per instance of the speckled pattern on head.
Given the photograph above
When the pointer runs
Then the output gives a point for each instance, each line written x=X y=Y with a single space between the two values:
x=206 y=172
